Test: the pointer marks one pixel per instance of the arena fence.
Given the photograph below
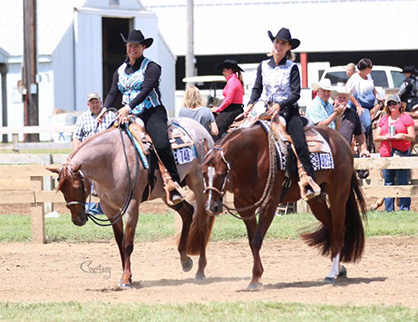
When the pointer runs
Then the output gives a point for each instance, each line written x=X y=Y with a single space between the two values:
x=24 y=179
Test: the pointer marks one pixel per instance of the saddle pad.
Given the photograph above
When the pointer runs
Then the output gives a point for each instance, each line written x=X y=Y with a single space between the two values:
x=319 y=149
x=181 y=143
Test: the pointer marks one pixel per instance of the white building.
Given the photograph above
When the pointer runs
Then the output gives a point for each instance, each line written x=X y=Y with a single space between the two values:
x=334 y=31
x=79 y=48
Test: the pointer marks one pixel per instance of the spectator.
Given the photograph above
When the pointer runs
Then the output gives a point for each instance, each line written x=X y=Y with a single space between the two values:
x=86 y=126
x=363 y=92
x=350 y=121
x=233 y=92
x=396 y=131
x=87 y=123
x=409 y=88
x=320 y=110
x=193 y=108
x=350 y=70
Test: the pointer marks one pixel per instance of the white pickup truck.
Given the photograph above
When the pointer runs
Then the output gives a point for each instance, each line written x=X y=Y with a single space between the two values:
x=384 y=77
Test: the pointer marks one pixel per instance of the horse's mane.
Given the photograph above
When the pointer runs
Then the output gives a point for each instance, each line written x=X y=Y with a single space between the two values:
x=230 y=138
x=94 y=137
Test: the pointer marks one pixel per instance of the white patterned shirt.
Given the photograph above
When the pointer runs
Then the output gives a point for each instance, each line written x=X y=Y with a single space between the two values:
x=86 y=125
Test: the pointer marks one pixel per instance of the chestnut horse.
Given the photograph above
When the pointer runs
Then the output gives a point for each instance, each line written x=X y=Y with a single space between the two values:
x=241 y=163
x=109 y=159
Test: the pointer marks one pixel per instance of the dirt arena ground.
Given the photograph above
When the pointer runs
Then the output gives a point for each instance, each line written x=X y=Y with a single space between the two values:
x=294 y=272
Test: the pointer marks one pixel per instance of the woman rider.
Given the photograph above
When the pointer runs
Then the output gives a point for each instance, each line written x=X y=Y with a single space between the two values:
x=278 y=83
x=137 y=79
x=233 y=92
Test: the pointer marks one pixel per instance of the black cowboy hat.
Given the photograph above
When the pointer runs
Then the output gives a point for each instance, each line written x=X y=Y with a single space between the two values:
x=409 y=69
x=136 y=37
x=229 y=63
x=284 y=34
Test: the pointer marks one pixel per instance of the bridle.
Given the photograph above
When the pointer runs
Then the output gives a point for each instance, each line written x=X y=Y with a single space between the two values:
x=267 y=190
x=80 y=173
x=221 y=192
x=130 y=190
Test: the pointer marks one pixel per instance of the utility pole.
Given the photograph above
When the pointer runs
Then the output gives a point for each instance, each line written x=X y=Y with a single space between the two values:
x=30 y=68
x=190 y=59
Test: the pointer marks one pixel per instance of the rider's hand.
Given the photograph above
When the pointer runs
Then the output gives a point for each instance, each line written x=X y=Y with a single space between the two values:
x=102 y=114
x=364 y=153
x=275 y=109
x=123 y=113
x=214 y=109
x=248 y=110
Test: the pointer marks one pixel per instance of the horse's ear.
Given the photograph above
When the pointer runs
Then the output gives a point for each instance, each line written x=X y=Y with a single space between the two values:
x=54 y=170
x=205 y=146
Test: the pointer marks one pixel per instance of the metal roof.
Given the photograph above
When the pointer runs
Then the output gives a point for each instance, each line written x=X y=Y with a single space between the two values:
x=4 y=56
x=54 y=18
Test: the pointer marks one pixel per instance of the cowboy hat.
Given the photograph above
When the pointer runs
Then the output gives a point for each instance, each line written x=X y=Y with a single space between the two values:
x=229 y=63
x=339 y=90
x=325 y=84
x=409 y=69
x=284 y=34
x=136 y=37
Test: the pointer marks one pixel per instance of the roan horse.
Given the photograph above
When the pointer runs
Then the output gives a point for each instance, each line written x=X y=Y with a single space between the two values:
x=103 y=158
x=242 y=164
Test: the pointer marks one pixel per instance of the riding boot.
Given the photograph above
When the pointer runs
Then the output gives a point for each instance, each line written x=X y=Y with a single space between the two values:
x=309 y=189
x=175 y=193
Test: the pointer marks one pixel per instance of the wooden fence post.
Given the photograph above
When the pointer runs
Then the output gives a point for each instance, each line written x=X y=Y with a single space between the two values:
x=37 y=213
x=47 y=182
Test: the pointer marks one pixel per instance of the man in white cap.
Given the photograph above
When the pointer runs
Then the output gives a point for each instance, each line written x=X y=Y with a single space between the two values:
x=87 y=124
x=320 y=110
x=350 y=121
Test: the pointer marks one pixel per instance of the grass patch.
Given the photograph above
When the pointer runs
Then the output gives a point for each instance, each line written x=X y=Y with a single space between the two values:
x=18 y=229
x=151 y=227
x=238 y=311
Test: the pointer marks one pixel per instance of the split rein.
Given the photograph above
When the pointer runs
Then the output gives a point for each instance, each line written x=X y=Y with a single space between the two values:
x=267 y=189
x=112 y=221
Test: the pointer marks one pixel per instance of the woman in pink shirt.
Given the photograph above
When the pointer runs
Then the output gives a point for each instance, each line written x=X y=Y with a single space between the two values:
x=396 y=131
x=233 y=92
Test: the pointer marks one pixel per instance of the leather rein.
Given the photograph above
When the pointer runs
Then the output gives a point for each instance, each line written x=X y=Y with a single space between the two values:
x=267 y=189
x=99 y=221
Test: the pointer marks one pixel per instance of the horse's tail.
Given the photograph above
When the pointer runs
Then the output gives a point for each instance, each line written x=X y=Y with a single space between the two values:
x=354 y=233
x=199 y=233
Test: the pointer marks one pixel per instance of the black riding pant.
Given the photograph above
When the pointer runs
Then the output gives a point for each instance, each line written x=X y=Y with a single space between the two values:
x=227 y=116
x=294 y=127
x=155 y=120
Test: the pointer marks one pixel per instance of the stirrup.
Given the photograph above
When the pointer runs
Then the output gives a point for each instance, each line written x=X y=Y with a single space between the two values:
x=305 y=182
x=169 y=187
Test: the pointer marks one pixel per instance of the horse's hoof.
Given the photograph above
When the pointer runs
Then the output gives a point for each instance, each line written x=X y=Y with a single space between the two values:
x=254 y=286
x=329 y=280
x=125 y=286
x=343 y=272
x=200 y=278
x=188 y=265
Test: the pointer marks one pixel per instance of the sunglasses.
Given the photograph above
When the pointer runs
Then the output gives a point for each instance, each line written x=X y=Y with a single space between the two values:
x=392 y=103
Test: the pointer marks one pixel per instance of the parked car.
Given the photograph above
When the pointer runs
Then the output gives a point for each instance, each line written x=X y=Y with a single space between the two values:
x=384 y=77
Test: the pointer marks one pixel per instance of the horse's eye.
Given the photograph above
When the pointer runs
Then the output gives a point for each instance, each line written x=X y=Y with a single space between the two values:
x=58 y=179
